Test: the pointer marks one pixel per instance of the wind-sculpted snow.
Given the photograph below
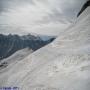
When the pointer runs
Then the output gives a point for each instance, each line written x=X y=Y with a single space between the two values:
x=61 y=65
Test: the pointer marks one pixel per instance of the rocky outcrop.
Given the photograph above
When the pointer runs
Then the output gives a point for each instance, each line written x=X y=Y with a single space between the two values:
x=9 y=44
x=84 y=7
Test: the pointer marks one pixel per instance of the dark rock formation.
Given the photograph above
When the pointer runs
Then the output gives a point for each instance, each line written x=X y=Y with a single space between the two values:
x=9 y=44
x=84 y=7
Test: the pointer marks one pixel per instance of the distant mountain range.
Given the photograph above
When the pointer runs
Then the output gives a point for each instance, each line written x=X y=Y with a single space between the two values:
x=9 y=44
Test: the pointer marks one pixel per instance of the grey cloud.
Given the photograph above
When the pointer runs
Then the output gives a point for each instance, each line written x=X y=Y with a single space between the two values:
x=49 y=11
x=70 y=8
x=6 y=4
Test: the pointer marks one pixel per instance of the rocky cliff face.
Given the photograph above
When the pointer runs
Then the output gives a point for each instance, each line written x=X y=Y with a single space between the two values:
x=84 y=7
x=11 y=43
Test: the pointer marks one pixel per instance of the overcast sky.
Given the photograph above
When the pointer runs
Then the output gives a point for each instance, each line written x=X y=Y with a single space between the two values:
x=20 y=16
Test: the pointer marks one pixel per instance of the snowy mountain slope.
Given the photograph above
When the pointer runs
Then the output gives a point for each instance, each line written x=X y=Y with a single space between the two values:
x=61 y=65
x=19 y=55
x=8 y=63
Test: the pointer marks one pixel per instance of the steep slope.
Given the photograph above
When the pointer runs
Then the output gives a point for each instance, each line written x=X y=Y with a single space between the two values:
x=87 y=4
x=61 y=65
x=19 y=55
x=16 y=57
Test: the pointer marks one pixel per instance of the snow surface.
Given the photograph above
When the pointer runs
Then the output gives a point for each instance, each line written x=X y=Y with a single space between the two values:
x=19 y=55
x=61 y=65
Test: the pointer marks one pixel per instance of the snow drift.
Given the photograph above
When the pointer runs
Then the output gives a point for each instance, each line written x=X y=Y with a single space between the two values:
x=61 y=65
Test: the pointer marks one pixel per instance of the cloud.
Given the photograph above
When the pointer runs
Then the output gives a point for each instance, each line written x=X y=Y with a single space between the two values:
x=37 y=15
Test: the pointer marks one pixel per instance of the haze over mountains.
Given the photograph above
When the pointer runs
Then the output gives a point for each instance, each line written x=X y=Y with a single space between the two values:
x=62 y=65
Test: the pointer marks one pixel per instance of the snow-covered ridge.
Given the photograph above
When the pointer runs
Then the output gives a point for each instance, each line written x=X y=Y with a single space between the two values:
x=61 y=65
